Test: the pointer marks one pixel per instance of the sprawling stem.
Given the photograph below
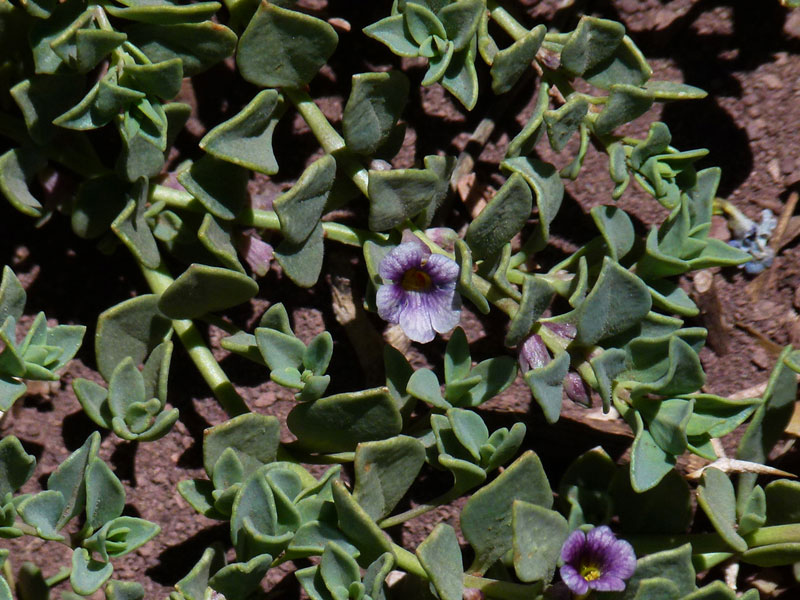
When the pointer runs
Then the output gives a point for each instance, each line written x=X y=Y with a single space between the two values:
x=159 y=280
x=415 y=512
x=329 y=138
x=264 y=219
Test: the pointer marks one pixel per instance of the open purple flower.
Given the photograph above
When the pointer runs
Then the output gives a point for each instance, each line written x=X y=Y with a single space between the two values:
x=421 y=291
x=596 y=561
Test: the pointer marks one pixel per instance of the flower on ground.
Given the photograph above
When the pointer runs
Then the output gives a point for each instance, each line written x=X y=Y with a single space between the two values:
x=420 y=293
x=596 y=561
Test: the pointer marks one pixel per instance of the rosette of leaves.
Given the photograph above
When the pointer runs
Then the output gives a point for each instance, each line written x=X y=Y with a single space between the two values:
x=292 y=364
x=464 y=385
x=134 y=405
x=82 y=485
x=338 y=576
x=40 y=354
x=232 y=452
x=442 y=32
x=212 y=574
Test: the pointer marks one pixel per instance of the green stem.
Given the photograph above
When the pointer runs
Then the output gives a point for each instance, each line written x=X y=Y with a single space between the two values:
x=711 y=543
x=62 y=575
x=492 y=588
x=413 y=513
x=265 y=219
x=504 y=19
x=329 y=138
x=159 y=280
x=8 y=572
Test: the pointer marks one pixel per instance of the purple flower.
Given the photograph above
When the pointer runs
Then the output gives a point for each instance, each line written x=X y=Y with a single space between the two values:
x=596 y=561
x=421 y=291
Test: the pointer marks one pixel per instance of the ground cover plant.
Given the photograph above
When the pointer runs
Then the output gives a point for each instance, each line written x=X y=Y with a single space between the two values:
x=181 y=147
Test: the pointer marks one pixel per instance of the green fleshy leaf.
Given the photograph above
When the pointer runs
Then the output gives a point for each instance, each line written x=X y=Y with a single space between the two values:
x=754 y=512
x=121 y=536
x=591 y=44
x=546 y=185
x=649 y=463
x=105 y=496
x=42 y=511
x=302 y=262
x=218 y=241
x=565 y=121
x=16 y=466
x=103 y=102
x=198 y=45
x=626 y=66
x=538 y=536
x=132 y=228
x=254 y=437
x=460 y=20
x=391 y=31
x=398 y=195
x=583 y=492
x=17 y=167
x=465 y=286
x=300 y=209
x=715 y=496
x=616 y=228
x=546 y=385
x=238 y=580
x=421 y=22
x=373 y=108
x=625 y=103
x=486 y=517
x=508 y=65
x=124 y=590
x=496 y=374
x=164 y=13
x=12 y=297
x=670 y=90
x=280 y=351
x=667 y=421
x=338 y=423
x=525 y=140
x=384 y=471
x=503 y=217
x=615 y=286
x=246 y=138
x=132 y=328
x=461 y=78
x=161 y=79
x=358 y=526
x=219 y=186
x=194 y=585
x=300 y=45
x=201 y=289
x=536 y=297
x=99 y=201
x=42 y=98
x=773 y=555
x=88 y=575
x=440 y=556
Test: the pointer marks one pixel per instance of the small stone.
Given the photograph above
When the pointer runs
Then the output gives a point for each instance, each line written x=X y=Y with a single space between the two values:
x=753 y=111
x=774 y=170
x=760 y=358
x=773 y=82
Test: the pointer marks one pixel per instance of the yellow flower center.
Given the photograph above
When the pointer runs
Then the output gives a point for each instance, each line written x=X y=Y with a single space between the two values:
x=590 y=572
x=415 y=280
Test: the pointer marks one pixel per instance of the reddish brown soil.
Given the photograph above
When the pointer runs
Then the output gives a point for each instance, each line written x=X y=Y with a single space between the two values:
x=745 y=54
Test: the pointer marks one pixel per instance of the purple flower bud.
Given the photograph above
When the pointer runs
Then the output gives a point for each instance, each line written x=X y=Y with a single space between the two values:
x=565 y=330
x=577 y=390
x=256 y=252
x=532 y=353
x=596 y=561
x=420 y=293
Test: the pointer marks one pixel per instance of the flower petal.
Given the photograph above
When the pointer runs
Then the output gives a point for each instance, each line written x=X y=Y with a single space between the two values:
x=390 y=300
x=415 y=320
x=607 y=583
x=573 y=546
x=599 y=541
x=442 y=270
x=401 y=259
x=443 y=308
x=620 y=560
x=574 y=581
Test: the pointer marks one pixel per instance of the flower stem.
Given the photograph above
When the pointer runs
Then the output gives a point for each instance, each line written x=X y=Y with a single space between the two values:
x=329 y=138
x=159 y=280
